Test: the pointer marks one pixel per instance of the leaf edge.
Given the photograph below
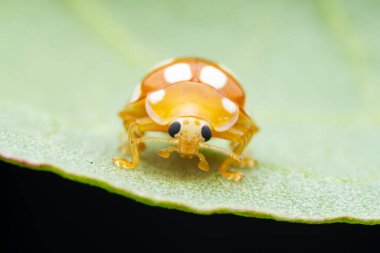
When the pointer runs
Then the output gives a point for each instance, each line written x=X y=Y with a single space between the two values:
x=176 y=206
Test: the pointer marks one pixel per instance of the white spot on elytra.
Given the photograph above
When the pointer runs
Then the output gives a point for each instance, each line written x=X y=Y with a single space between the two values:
x=177 y=72
x=230 y=106
x=136 y=93
x=156 y=96
x=213 y=77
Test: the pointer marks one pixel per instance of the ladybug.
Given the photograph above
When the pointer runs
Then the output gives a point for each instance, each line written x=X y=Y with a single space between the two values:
x=192 y=100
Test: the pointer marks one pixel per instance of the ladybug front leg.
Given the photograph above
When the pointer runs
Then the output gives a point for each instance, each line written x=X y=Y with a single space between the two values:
x=135 y=130
x=203 y=165
x=125 y=147
x=165 y=153
x=132 y=113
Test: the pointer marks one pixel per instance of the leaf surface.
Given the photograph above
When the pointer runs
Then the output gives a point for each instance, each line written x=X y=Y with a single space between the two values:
x=310 y=70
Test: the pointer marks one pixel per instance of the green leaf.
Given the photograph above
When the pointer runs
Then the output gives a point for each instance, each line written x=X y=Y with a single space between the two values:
x=310 y=70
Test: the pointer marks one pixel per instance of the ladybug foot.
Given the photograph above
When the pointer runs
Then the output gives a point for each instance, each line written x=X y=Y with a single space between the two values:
x=122 y=163
x=165 y=153
x=232 y=175
x=246 y=163
x=203 y=166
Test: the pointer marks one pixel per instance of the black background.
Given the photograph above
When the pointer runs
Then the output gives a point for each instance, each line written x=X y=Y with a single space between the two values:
x=42 y=212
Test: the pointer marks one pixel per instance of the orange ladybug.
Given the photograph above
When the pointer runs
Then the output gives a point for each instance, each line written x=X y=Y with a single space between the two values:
x=191 y=99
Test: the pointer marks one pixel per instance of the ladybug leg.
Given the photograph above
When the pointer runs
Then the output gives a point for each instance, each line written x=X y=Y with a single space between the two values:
x=129 y=115
x=135 y=129
x=239 y=135
x=165 y=153
x=203 y=165
x=245 y=137
x=125 y=147
x=133 y=149
x=234 y=175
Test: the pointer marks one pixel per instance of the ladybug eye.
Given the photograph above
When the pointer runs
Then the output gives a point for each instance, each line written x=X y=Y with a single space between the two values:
x=206 y=133
x=174 y=128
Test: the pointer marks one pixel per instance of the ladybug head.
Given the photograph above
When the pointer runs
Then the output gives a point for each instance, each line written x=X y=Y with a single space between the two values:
x=189 y=131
